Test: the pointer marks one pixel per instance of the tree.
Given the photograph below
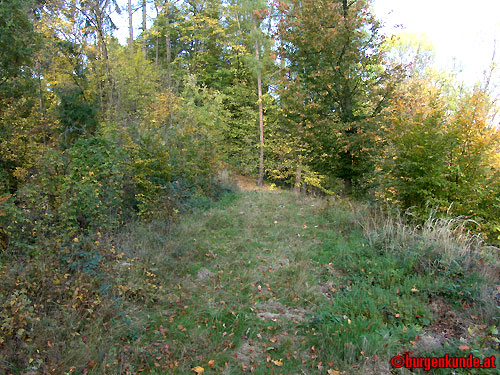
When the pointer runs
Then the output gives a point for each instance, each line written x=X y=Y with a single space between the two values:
x=417 y=161
x=130 y=26
x=163 y=30
x=136 y=83
x=441 y=153
x=333 y=50
x=249 y=53
x=144 y=24
x=19 y=133
x=261 y=111
x=17 y=43
x=254 y=12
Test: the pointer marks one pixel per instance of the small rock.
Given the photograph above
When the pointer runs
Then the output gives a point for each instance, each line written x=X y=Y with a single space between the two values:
x=204 y=274
x=284 y=262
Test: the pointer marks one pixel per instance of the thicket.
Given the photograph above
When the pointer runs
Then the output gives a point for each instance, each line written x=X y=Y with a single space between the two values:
x=91 y=139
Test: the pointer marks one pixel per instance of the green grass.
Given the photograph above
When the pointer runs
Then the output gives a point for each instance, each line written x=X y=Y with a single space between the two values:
x=297 y=285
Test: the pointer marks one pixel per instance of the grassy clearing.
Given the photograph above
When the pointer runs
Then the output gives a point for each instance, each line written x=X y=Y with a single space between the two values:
x=274 y=283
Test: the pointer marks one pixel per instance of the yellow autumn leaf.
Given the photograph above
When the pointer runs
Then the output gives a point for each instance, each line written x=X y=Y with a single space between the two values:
x=198 y=369
x=333 y=372
x=278 y=363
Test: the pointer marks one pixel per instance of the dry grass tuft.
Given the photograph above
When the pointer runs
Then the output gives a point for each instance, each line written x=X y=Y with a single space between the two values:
x=449 y=236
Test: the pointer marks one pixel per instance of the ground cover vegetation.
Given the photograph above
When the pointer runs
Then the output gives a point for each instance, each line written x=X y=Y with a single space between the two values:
x=127 y=247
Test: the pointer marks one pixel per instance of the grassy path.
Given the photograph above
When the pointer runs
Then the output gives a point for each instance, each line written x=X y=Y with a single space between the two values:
x=272 y=283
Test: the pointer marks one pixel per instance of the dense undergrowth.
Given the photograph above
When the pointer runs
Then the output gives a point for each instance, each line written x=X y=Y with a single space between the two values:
x=72 y=287
x=267 y=282
x=56 y=230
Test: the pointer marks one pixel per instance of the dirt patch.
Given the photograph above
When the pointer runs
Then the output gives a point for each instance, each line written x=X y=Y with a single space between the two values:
x=275 y=265
x=448 y=322
x=248 y=352
x=276 y=310
x=282 y=263
x=376 y=366
x=328 y=289
x=204 y=274
x=429 y=342
x=248 y=355
x=246 y=183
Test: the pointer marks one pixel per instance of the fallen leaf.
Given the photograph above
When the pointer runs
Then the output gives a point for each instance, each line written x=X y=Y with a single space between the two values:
x=211 y=363
x=278 y=363
x=333 y=372
x=463 y=347
x=198 y=369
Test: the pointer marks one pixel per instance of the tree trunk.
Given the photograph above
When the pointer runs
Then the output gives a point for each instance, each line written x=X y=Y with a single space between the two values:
x=298 y=176
x=168 y=49
x=261 y=113
x=347 y=185
x=156 y=56
x=261 y=128
x=168 y=52
x=157 y=37
x=144 y=26
x=169 y=61
x=130 y=28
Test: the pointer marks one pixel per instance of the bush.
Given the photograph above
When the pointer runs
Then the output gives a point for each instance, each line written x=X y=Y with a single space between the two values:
x=151 y=176
x=92 y=193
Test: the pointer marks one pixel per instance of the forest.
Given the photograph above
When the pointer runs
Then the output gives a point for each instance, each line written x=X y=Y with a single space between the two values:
x=107 y=149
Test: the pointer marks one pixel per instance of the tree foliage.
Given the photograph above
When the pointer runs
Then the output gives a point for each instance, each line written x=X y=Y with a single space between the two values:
x=335 y=72
x=441 y=156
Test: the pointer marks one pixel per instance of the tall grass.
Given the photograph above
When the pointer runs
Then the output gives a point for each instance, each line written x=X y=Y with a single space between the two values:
x=449 y=236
